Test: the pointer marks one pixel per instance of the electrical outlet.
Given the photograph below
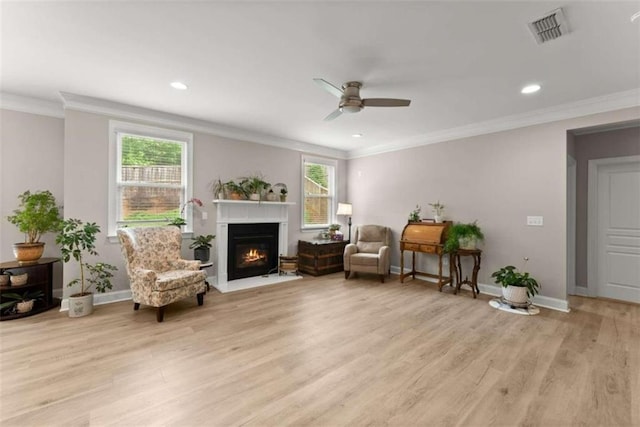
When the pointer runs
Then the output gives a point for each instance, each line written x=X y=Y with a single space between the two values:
x=205 y=216
x=536 y=221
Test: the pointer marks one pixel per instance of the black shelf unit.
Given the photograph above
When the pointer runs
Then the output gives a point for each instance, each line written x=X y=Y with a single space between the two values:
x=40 y=276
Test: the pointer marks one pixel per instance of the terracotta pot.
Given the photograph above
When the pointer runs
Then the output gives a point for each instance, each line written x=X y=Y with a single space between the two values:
x=26 y=253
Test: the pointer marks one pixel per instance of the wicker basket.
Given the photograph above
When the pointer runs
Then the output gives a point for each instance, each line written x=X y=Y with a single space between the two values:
x=19 y=279
x=25 y=306
x=4 y=280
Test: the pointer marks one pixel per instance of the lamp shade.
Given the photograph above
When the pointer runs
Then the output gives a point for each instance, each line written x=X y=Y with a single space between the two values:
x=344 y=209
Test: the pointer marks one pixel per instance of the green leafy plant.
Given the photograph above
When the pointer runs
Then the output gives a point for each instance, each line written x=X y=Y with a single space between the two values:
x=233 y=187
x=462 y=231
x=76 y=240
x=38 y=214
x=218 y=187
x=510 y=276
x=414 y=216
x=254 y=184
x=14 y=298
x=334 y=227
x=201 y=241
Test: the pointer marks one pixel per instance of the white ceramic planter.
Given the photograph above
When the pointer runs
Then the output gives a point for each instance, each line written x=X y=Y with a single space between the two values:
x=515 y=294
x=81 y=305
x=468 y=243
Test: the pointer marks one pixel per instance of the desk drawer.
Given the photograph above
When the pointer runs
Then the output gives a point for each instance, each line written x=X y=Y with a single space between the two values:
x=428 y=249
x=420 y=247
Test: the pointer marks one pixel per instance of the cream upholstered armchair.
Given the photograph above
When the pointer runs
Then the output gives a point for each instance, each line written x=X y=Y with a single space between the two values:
x=156 y=271
x=370 y=253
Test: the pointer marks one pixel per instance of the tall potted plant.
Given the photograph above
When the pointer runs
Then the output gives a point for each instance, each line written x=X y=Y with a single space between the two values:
x=77 y=240
x=37 y=214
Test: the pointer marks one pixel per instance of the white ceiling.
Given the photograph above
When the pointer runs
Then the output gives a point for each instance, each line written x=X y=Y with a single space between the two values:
x=250 y=65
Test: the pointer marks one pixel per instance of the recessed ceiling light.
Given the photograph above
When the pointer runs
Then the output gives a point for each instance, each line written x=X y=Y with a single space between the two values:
x=530 y=89
x=356 y=135
x=179 y=85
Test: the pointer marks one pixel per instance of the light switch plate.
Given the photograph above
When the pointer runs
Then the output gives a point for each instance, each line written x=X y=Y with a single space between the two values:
x=536 y=221
x=205 y=215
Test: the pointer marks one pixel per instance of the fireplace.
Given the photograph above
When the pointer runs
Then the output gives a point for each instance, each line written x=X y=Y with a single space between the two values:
x=231 y=213
x=252 y=250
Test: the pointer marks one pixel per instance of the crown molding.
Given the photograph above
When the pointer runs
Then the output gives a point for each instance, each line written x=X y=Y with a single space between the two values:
x=601 y=104
x=125 y=111
x=27 y=104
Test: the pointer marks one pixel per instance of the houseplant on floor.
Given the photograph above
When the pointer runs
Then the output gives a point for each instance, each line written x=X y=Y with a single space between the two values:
x=517 y=287
x=37 y=214
x=201 y=246
x=463 y=236
x=77 y=240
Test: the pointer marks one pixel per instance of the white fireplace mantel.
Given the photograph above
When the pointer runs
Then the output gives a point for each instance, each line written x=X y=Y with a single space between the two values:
x=248 y=212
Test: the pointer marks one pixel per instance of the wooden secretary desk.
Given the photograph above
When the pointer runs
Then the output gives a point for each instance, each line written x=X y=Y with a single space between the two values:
x=427 y=238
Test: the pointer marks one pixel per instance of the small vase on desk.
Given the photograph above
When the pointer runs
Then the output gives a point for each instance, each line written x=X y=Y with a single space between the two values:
x=437 y=218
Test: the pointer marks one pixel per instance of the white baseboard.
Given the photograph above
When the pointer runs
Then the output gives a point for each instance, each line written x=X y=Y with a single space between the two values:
x=99 y=299
x=495 y=290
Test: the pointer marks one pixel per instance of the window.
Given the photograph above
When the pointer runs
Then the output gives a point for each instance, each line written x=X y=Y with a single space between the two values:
x=150 y=176
x=319 y=192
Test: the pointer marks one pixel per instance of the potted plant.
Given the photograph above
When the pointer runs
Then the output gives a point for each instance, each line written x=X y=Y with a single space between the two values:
x=234 y=190
x=218 y=189
x=20 y=303
x=517 y=286
x=180 y=221
x=463 y=236
x=283 y=194
x=254 y=186
x=201 y=246
x=438 y=210
x=37 y=214
x=77 y=240
x=414 y=216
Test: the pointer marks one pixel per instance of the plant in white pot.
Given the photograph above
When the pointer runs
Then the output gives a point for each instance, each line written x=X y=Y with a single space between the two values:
x=517 y=287
x=37 y=214
x=463 y=236
x=77 y=240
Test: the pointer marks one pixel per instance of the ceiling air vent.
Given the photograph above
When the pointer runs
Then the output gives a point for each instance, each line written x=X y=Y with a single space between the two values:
x=549 y=27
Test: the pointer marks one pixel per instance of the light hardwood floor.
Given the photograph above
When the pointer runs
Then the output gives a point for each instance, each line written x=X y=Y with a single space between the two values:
x=325 y=351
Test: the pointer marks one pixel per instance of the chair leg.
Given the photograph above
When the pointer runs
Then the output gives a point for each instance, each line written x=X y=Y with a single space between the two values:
x=381 y=278
x=200 y=297
x=136 y=305
x=346 y=274
x=160 y=314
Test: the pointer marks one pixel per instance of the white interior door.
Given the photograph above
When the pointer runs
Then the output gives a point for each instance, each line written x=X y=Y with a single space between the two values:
x=618 y=231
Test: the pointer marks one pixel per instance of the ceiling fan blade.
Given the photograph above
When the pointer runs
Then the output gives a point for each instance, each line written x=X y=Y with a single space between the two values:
x=329 y=87
x=386 y=102
x=333 y=115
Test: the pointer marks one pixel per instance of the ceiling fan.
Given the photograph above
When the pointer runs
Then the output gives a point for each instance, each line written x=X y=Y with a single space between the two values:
x=350 y=101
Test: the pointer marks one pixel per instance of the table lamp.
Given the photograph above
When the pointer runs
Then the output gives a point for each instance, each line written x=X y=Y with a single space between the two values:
x=346 y=209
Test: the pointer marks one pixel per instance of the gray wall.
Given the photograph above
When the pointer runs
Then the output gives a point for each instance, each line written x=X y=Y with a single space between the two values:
x=497 y=179
x=614 y=143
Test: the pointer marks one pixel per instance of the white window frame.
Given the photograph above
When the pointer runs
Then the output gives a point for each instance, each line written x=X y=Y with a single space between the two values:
x=117 y=128
x=333 y=196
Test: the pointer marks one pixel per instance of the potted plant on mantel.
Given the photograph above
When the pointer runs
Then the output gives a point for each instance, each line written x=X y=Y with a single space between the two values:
x=38 y=214
x=517 y=287
x=253 y=186
x=201 y=246
x=463 y=236
x=76 y=240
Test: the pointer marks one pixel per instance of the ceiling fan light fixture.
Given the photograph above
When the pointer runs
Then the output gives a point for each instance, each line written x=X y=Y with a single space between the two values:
x=533 y=88
x=356 y=135
x=350 y=108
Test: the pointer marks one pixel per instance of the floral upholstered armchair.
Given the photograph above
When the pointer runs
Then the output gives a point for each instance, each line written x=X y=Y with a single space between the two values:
x=370 y=252
x=157 y=274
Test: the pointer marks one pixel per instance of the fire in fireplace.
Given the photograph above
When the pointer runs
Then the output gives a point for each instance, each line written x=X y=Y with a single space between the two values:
x=252 y=249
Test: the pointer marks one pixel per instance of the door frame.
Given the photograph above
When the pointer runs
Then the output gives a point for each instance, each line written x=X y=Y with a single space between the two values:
x=571 y=224
x=592 y=217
